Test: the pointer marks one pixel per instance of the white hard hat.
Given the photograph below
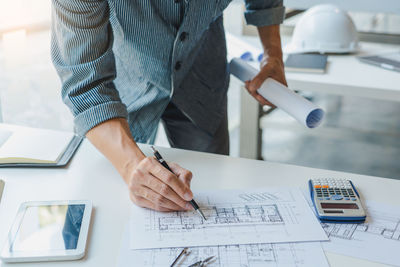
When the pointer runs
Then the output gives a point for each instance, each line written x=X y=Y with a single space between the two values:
x=324 y=29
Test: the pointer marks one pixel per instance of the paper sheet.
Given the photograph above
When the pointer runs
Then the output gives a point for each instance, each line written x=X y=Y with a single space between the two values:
x=252 y=255
x=304 y=111
x=233 y=217
x=378 y=239
x=33 y=145
x=4 y=135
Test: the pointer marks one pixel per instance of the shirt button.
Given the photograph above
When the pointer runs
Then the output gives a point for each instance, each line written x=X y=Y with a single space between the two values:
x=178 y=65
x=183 y=36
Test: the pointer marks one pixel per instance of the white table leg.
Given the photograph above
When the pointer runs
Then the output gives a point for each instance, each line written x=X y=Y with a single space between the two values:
x=250 y=134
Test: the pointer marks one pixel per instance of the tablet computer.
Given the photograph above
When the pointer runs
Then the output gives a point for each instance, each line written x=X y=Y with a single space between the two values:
x=48 y=231
x=390 y=61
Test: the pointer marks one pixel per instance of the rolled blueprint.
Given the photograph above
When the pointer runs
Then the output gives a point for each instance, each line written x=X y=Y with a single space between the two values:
x=304 y=111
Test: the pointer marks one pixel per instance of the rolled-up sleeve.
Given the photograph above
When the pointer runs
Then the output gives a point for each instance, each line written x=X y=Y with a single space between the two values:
x=81 y=49
x=264 y=12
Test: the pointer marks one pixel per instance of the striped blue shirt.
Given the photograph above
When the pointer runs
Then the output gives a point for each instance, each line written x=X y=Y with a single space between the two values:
x=130 y=58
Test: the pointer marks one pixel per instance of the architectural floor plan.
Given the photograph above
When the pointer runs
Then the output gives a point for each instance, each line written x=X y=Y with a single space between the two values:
x=251 y=255
x=221 y=216
x=378 y=239
x=386 y=229
x=233 y=217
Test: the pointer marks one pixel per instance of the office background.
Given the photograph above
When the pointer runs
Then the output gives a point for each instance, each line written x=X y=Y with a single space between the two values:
x=359 y=135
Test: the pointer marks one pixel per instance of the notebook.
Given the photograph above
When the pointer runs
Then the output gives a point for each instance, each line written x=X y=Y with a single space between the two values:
x=313 y=63
x=25 y=146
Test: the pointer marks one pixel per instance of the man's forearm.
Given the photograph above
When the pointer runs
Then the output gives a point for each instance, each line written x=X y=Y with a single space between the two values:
x=271 y=40
x=271 y=65
x=113 y=138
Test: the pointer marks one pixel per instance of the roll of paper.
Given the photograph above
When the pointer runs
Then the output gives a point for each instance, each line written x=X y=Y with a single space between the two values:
x=304 y=111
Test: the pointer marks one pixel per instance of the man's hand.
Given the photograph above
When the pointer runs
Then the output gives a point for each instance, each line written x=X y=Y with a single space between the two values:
x=150 y=184
x=271 y=65
x=153 y=186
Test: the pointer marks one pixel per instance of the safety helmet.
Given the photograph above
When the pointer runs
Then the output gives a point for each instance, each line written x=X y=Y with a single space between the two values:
x=324 y=29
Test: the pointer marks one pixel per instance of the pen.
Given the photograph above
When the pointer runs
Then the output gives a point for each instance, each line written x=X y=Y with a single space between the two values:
x=164 y=163
x=183 y=252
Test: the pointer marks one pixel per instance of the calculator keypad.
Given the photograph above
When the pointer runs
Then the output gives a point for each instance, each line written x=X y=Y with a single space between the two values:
x=333 y=189
x=335 y=200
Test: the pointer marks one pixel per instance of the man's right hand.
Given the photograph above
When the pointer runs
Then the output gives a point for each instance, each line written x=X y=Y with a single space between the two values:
x=150 y=184
x=153 y=186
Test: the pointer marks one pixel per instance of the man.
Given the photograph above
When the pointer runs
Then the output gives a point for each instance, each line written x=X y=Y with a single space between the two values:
x=127 y=64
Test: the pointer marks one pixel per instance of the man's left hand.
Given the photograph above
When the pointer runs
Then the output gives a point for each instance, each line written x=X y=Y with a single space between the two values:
x=270 y=67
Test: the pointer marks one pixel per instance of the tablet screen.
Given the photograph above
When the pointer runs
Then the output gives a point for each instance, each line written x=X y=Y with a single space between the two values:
x=49 y=227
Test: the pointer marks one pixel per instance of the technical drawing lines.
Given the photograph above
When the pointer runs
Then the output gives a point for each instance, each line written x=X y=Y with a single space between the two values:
x=251 y=255
x=258 y=197
x=380 y=229
x=266 y=196
x=346 y=231
x=222 y=216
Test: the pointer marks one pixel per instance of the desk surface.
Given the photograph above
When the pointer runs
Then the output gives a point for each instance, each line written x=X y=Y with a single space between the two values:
x=91 y=176
x=345 y=74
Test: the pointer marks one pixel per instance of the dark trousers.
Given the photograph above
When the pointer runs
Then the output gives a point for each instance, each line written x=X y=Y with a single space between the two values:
x=183 y=133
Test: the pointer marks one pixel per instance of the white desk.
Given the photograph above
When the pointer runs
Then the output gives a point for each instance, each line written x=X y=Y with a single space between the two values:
x=345 y=76
x=91 y=176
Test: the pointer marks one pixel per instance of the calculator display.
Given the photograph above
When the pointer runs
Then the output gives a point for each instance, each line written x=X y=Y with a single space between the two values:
x=339 y=206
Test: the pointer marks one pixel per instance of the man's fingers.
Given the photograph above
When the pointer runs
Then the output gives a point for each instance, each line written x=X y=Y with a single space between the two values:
x=257 y=81
x=170 y=179
x=183 y=174
x=153 y=186
x=144 y=203
x=255 y=84
x=251 y=92
x=263 y=101
x=163 y=189
x=157 y=199
x=257 y=96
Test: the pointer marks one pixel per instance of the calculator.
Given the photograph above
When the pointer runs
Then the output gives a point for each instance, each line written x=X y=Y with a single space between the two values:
x=336 y=201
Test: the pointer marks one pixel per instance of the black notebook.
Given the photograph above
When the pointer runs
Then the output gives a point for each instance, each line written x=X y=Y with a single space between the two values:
x=312 y=63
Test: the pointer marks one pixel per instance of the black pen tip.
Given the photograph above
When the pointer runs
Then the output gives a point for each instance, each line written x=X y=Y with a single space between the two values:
x=201 y=214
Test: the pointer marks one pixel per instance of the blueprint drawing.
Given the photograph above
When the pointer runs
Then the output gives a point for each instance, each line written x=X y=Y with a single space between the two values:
x=220 y=216
x=250 y=255
x=233 y=217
